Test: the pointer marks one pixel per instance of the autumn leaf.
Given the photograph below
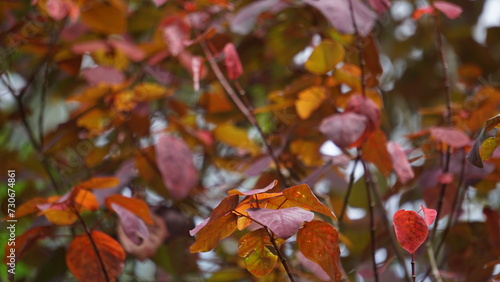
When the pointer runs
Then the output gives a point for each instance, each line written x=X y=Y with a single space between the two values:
x=375 y=151
x=236 y=137
x=411 y=229
x=254 y=247
x=24 y=241
x=99 y=183
x=84 y=263
x=232 y=62
x=304 y=197
x=208 y=237
x=452 y=11
x=345 y=129
x=105 y=18
x=366 y=107
x=488 y=147
x=310 y=100
x=450 y=136
x=429 y=215
x=255 y=191
x=319 y=242
x=283 y=222
x=136 y=206
x=325 y=57
x=134 y=227
x=474 y=156
x=400 y=163
x=176 y=165
x=29 y=207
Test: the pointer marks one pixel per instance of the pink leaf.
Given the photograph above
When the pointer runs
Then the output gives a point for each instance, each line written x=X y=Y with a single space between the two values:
x=90 y=46
x=400 y=163
x=232 y=61
x=445 y=178
x=427 y=10
x=245 y=19
x=132 y=52
x=450 y=10
x=253 y=192
x=196 y=66
x=283 y=222
x=379 y=5
x=57 y=9
x=176 y=165
x=366 y=107
x=135 y=229
x=344 y=129
x=338 y=14
x=103 y=74
x=429 y=215
x=411 y=230
x=175 y=32
x=450 y=136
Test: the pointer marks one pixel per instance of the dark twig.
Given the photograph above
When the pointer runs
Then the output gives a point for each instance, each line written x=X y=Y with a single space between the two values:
x=371 y=209
x=359 y=48
x=448 y=119
x=349 y=189
x=242 y=108
x=413 y=275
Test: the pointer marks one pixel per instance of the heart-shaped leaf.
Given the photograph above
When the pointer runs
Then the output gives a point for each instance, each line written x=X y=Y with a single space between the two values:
x=411 y=229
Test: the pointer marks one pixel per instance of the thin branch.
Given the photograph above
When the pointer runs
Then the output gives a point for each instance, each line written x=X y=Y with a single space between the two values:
x=94 y=245
x=349 y=189
x=242 y=108
x=371 y=207
x=413 y=275
x=448 y=119
x=359 y=48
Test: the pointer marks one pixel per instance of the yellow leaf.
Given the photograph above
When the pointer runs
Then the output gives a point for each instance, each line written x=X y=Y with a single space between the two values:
x=307 y=151
x=488 y=147
x=325 y=57
x=124 y=101
x=104 y=18
x=235 y=137
x=309 y=100
x=95 y=121
x=150 y=91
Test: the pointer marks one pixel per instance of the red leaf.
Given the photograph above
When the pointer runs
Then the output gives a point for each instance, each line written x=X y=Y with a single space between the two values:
x=283 y=222
x=411 y=229
x=135 y=229
x=429 y=215
x=253 y=192
x=319 y=242
x=345 y=129
x=445 y=178
x=450 y=136
x=83 y=262
x=25 y=241
x=232 y=61
x=450 y=10
x=400 y=163
x=176 y=165
x=427 y=10
x=133 y=52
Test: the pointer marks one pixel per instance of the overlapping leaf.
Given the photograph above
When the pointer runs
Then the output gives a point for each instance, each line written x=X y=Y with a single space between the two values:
x=84 y=263
x=319 y=242
x=283 y=222
x=304 y=197
x=254 y=247
x=208 y=237
x=136 y=206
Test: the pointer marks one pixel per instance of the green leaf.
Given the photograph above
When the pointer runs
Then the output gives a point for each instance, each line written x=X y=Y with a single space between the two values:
x=259 y=259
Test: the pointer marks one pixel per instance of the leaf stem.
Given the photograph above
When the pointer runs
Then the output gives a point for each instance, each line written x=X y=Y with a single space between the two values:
x=413 y=275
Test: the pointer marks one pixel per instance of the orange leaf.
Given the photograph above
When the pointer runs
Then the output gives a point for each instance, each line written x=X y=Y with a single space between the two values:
x=259 y=260
x=304 y=197
x=29 y=207
x=60 y=211
x=84 y=263
x=104 y=18
x=375 y=151
x=24 y=242
x=309 y=100
x=208 y=237
x=411 y=229
x=319 y=242
x=227 y=204
x=99 y=183
x=136 y=206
